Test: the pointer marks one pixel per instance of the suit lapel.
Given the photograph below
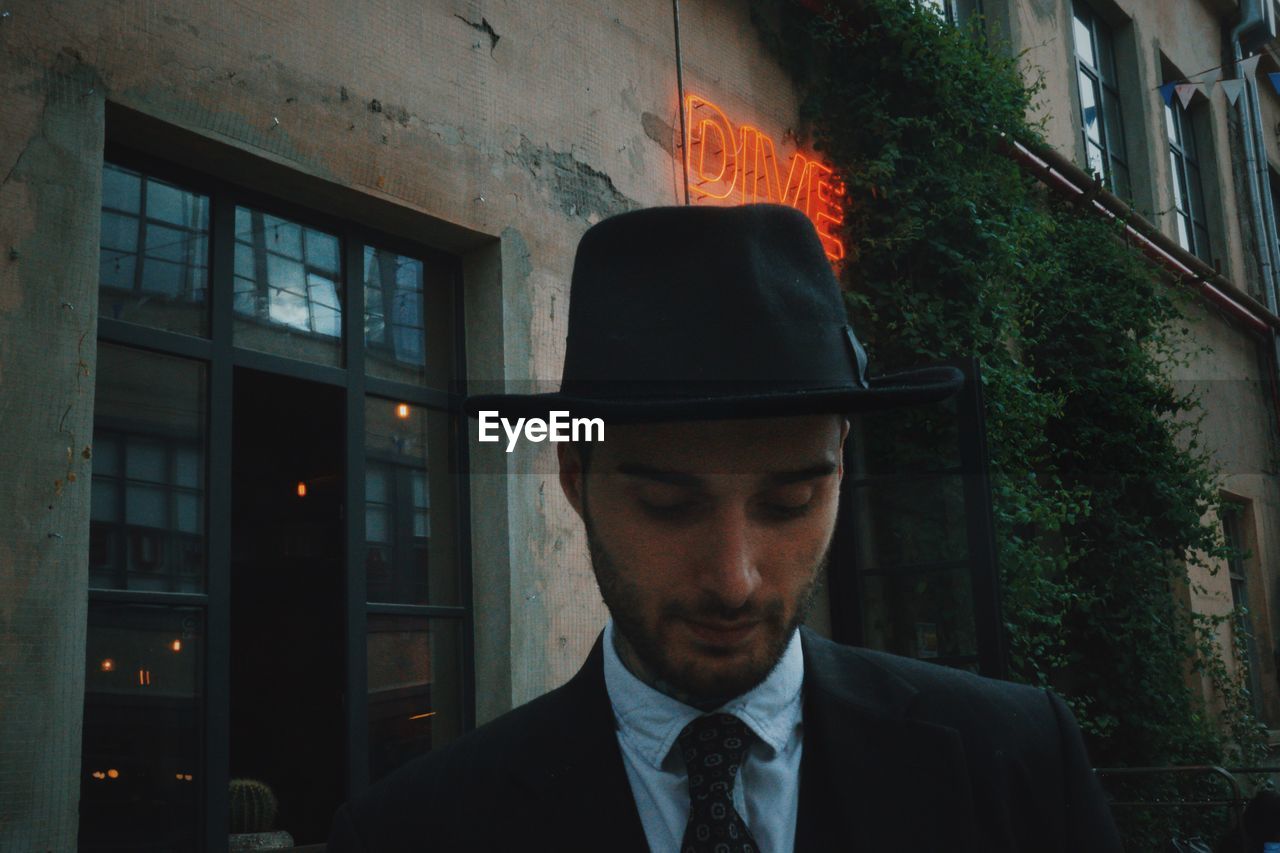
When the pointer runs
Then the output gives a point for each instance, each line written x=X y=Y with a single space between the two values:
x=873 y=778
x=575 y=781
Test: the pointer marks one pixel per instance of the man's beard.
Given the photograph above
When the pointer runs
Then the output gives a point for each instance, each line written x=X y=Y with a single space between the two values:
x=688 y=681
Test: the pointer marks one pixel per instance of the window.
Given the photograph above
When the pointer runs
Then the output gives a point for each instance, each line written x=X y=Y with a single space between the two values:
x=1101 y=126
x=1188 y=188
x=955 y=12
x=277 y=435
x=1234 y=516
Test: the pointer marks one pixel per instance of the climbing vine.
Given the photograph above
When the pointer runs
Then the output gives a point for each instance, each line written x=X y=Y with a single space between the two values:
x=1102 y=493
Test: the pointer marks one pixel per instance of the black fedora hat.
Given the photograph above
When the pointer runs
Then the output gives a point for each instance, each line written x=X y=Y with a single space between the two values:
x=679 y=313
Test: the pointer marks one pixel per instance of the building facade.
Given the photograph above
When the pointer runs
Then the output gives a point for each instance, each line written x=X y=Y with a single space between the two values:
x=255 y=254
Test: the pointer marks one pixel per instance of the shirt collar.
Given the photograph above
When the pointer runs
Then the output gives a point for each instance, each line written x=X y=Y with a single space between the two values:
x=650 y=721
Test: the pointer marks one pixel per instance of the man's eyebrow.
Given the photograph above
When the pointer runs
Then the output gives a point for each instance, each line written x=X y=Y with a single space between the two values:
x=681 y=478
x=812 y=472
x=659 y=475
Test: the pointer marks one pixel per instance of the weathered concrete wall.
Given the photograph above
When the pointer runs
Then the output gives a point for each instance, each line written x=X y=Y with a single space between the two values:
x=50 y=163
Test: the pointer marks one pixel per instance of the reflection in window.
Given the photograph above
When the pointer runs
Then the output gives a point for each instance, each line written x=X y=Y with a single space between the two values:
x=287 y=287
x=1188 y=189
x=153 y=258
x=415 y=688
x=141 y=774
x=1099 y=100
x=393 y=310
x=147 y=528
x=407 y=559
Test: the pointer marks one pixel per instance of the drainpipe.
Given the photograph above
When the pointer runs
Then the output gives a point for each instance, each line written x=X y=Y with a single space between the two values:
x=1259 y=179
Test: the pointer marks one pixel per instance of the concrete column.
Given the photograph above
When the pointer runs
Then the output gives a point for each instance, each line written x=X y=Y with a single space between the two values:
x=50 y=184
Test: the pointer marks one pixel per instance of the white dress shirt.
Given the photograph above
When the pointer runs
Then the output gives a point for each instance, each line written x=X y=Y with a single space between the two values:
x=767 y=791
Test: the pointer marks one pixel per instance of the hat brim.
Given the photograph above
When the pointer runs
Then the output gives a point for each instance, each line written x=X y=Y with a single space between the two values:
x=895 y=390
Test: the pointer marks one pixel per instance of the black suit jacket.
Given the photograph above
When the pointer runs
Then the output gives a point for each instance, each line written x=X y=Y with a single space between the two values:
x=899 y=755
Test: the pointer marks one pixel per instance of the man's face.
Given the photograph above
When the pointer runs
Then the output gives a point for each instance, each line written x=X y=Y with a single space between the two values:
x=706 y=539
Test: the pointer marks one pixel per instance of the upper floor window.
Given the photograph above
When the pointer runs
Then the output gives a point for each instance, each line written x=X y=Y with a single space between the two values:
x=1188 y=186
x=1103 y=131
x=955 y=12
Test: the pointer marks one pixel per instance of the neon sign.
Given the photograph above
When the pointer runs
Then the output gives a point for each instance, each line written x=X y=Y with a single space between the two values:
x=728 y=165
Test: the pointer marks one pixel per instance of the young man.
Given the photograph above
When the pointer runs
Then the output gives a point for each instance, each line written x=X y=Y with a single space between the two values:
x=714 y=344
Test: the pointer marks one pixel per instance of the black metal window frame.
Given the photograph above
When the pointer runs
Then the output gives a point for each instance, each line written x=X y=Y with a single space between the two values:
x=1098 y=72
x=1189 y=205
x=221 y=358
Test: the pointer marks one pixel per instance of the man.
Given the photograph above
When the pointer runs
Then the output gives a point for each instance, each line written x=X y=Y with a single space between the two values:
x=713 y=342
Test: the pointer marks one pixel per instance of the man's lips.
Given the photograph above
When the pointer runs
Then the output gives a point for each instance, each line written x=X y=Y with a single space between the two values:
x=719 y=633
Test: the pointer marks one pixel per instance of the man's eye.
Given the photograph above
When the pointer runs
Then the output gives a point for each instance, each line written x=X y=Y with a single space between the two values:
x=667 y=509
x=784 y=512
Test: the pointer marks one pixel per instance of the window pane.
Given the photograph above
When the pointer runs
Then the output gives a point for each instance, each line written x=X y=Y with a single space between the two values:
x=912 y=521
x=415 y=688
x=287 y=296
x=1084 y=37
x=165 y=287
x=408 y=470
x=141 y=781
x=149 y=422
x=1089 y=109
x=922 y=615
x=407 y=319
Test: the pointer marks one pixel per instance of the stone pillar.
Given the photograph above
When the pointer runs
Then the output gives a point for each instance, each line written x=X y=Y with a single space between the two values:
x=51 y=141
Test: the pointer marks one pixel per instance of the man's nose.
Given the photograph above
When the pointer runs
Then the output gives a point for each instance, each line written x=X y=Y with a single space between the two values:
x=730 y=571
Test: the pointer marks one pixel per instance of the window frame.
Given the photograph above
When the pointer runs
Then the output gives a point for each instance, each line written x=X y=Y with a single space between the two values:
x=1103 y=79
x=1190 y=206
x=215 y=349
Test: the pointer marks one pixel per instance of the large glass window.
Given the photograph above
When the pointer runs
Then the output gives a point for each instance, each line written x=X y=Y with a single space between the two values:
x=1096 y=80
x=237 y=514
x=1188 y=187
x=1233 y=521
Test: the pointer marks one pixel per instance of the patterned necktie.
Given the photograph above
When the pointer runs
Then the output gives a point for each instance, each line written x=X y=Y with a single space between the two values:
x=713 y=747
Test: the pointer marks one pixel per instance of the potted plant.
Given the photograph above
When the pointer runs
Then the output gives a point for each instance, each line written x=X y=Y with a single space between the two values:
x=253 y=817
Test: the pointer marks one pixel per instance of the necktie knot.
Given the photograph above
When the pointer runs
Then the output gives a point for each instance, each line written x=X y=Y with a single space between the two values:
x=713 y=747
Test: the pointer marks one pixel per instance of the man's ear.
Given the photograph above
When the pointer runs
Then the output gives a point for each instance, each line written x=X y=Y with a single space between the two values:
x=571 y=475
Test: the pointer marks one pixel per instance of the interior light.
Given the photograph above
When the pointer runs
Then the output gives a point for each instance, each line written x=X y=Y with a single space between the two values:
x=302 y=490
x=113 y=773
x=107 y=665
x=186 y=776
x=98 y=774
x=176 y=645
x=423 y=716
x=402 y=411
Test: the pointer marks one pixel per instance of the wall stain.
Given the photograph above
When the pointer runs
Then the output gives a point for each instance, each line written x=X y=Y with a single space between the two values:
x=659 y=131
x=578 y=189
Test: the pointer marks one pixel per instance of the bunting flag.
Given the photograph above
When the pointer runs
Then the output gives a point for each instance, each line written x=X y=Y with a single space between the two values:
x=1186 y=91
x=1232 y=89
x=1166 y=92
x=1210 y=79
x=1249 y=67
x=1275 y=81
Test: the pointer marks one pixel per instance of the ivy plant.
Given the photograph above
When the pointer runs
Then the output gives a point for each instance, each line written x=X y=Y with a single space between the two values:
x=1105 y=501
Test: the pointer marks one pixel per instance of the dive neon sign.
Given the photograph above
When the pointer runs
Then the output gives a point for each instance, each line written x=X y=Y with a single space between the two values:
x=739 y=165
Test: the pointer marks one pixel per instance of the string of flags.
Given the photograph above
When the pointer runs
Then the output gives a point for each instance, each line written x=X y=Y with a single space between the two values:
x=1185 y=90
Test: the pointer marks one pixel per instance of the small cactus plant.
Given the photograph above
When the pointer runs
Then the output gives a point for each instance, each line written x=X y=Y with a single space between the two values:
x=253 y=806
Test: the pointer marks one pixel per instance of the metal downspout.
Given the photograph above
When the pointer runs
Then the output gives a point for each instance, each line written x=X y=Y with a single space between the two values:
x=1265 y=233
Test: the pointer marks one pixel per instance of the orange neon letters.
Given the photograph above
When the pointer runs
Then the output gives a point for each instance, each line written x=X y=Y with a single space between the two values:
x=728 y=165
